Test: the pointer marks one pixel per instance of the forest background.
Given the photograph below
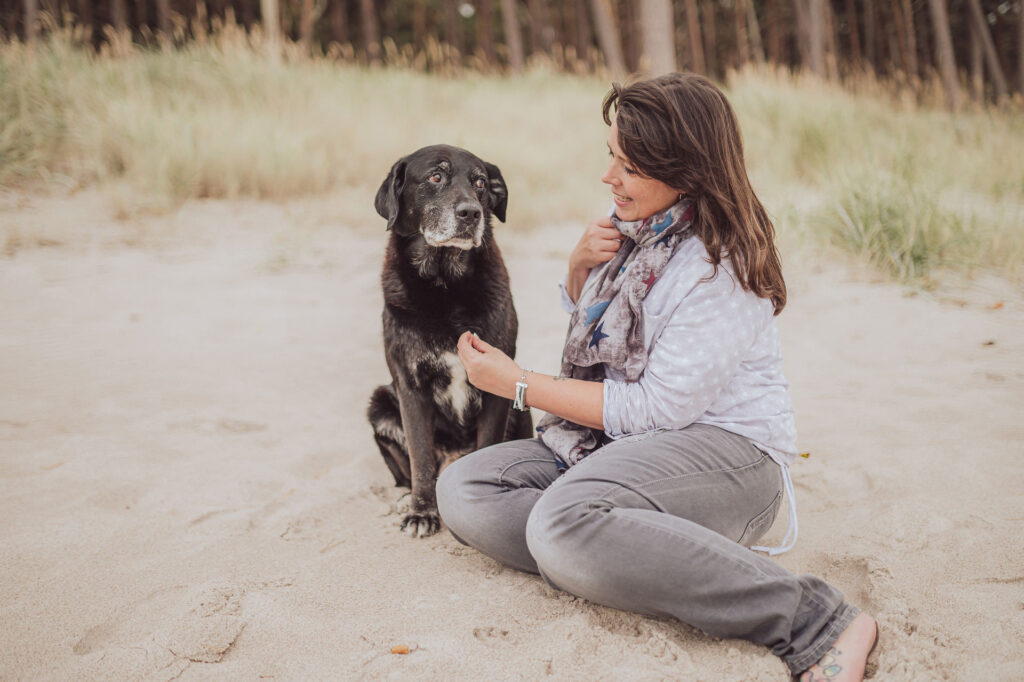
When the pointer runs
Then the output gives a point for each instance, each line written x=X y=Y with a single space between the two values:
x=891 y=129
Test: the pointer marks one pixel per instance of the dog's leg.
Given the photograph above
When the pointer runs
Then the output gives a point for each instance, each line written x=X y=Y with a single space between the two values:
x=520 y=425
x=386 y=420
x=418 y=419
x=493 y=420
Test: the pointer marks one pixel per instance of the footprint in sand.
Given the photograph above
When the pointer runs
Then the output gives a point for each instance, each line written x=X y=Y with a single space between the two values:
x=158 y=636
x=197 y=627
x=302 y=528
x=906 y=642
x=491 y=635
x=224 y=426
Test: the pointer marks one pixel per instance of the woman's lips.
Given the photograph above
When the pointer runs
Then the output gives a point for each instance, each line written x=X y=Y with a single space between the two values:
x=620 y=201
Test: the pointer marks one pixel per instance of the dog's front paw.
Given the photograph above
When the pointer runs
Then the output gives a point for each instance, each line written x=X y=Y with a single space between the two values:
x=421 y=524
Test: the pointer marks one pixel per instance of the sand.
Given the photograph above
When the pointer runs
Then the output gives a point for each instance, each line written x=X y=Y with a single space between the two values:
x=189 y=488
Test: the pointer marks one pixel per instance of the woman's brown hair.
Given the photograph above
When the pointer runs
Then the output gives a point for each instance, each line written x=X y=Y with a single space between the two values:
x=679 y=129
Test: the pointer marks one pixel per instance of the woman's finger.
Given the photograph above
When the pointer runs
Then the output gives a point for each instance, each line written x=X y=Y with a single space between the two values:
x=479 y=344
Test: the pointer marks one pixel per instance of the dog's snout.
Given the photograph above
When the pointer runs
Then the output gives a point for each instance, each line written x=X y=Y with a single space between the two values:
x=468 y=211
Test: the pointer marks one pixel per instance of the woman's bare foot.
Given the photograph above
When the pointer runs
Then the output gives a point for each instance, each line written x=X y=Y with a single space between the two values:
x=846 y=660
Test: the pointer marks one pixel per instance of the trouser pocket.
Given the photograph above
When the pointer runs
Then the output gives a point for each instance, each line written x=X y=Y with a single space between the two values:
x=760 y=524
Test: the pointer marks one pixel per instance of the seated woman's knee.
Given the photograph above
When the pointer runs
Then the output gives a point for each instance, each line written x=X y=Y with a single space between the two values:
x=449 y=495
x=556 y=535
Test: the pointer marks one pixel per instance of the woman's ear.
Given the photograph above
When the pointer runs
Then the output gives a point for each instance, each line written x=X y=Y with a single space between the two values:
x=496 y=190
x=388 y=202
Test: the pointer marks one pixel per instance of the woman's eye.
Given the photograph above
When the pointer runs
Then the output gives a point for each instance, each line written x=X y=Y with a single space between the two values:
x=436 y=177
x=629 y=171
x=479 y=184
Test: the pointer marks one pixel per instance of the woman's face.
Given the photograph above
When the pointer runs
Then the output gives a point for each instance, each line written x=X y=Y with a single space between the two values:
x=636 y=196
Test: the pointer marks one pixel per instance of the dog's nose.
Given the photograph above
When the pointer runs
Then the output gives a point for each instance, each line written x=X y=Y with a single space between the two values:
x=468 y=211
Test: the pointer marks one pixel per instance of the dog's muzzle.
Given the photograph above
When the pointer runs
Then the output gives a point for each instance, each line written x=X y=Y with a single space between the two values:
x=461 y=227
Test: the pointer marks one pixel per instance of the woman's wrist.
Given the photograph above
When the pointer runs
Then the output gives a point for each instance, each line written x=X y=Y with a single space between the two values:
x=575 y=280
x=516 y=378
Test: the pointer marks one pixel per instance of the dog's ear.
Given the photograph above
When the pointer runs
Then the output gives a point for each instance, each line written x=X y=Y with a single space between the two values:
x=388 y=202
x=497 y=191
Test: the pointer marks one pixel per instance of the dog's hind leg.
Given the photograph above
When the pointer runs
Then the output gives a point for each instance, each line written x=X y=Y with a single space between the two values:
x=386 y=420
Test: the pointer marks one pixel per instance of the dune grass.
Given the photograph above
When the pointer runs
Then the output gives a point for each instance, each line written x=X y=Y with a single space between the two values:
x=909 y=188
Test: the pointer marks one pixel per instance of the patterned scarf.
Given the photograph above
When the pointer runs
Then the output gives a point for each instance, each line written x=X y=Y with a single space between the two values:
x=607 y=326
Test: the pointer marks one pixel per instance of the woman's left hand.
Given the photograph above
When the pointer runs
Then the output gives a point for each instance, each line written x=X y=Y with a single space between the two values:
x=487 y=367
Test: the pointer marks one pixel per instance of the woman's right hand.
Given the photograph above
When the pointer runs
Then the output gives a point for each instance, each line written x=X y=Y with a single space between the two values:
x=597 y=245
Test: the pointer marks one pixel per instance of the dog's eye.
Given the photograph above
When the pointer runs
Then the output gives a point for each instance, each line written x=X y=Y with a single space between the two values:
x=479 y=183
x=436 y=177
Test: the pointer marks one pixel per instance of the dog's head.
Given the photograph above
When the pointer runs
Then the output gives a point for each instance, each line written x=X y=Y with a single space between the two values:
x=443 y=193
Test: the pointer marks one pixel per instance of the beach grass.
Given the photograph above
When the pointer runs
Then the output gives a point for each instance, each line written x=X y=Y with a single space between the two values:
x=910 y=187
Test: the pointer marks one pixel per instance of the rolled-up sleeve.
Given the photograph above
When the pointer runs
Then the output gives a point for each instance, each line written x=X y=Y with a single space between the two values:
x=691 y=362
x=567 y=303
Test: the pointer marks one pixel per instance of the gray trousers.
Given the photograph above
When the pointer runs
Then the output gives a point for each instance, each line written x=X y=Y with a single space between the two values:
x=653 y=524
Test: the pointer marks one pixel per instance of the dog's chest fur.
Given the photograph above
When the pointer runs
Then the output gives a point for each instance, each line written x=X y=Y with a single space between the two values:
x=426 y=312
x=445 y=377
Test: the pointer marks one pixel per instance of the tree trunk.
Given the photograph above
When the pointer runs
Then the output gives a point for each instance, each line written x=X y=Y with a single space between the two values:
x=816 y=37
x=163 y=20
x=85 y=17
x=119 y=16
x=658 y=30
x=453 y=26
x=339 y=21
x=513 y=36
x=31 y=22
x=306 y=21
x=851 y=21
x=693 y=36
x=900 y=29
x=541 y=32
x=908 y=23
x=608 y=36
x=371 y=34
x=584 y=35
x=891 y=38
x=141 y=15
x=628 y=21
x=831 y=42
x=977 y=74
x=244 y=14
x=754 y=30
x=484 y=29
x=739 y=16
x=271 y=20
x=803 y=31
x=1020 y=49
x=870 y=35
x=710 y=38
x=419 y=23
x=944 y=52
x=991 y=58
x=774 y=35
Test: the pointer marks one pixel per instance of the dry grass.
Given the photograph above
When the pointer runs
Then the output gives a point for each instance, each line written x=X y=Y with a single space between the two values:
x=911 y=188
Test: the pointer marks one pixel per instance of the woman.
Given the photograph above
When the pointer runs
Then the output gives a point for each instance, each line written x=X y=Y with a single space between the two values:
x=666 y=449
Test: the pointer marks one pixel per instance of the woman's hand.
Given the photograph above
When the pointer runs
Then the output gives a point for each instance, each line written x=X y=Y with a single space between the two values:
x=487 y=367
x=597 y=245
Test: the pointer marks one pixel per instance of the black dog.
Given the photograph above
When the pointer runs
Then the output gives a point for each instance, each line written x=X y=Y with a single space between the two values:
x=443 y=275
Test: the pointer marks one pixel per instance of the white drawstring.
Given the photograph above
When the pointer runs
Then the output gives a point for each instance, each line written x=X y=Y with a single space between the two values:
x=787 y=543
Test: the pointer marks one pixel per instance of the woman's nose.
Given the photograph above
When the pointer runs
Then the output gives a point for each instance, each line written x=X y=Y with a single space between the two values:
x=609 y=176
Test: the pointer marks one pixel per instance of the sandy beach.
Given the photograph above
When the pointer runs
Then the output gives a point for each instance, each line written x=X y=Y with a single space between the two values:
x=189 y=488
